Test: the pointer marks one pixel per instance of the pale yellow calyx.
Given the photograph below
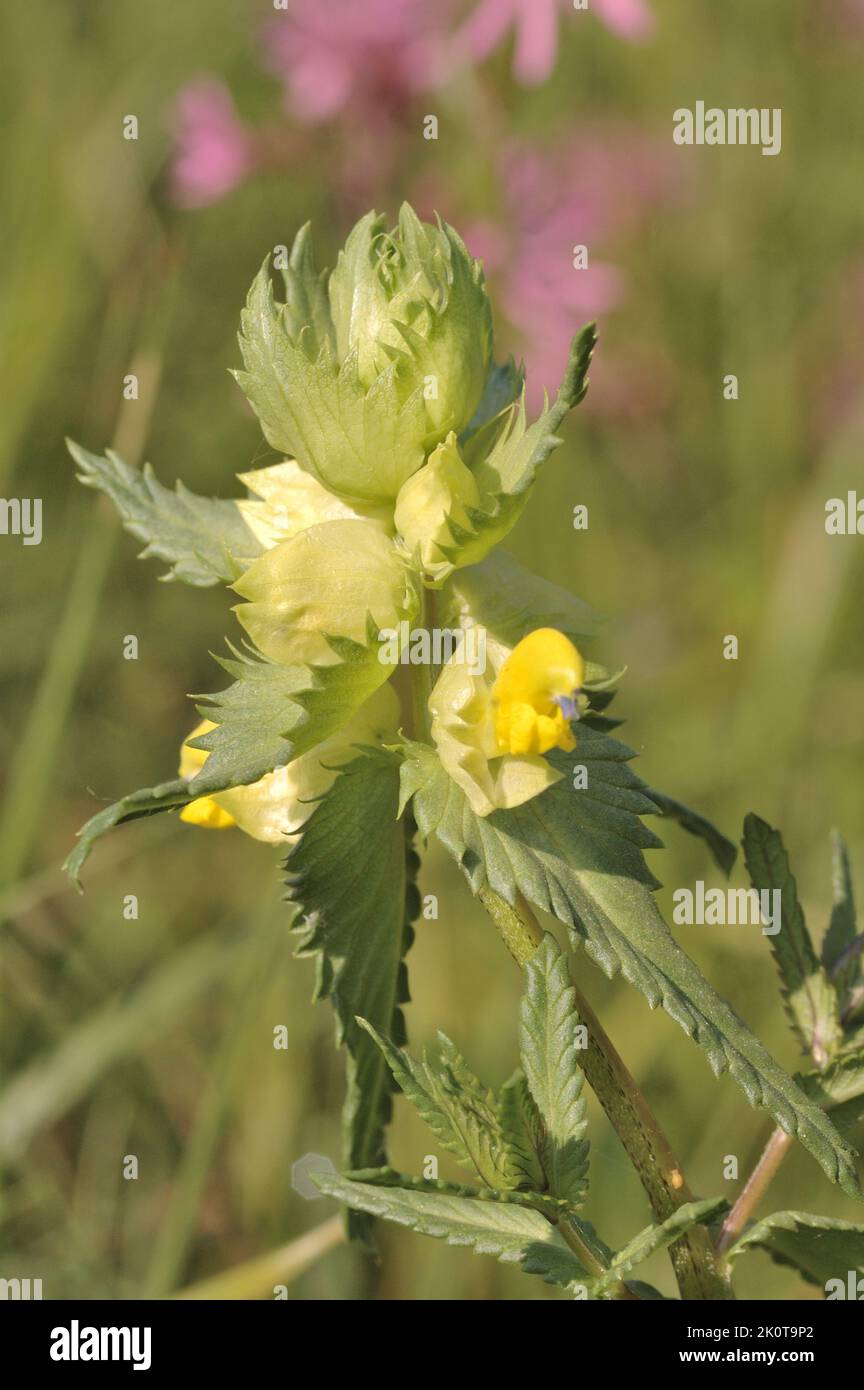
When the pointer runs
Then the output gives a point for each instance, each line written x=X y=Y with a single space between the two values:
x=287 y=500
x=324 y=582
x=437 y=495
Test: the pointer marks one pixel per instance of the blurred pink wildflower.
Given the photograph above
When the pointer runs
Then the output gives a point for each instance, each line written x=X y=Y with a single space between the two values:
x=213 y=150
x=591 y=193
x=337 y=53
x=535 y=23
x=629 y=19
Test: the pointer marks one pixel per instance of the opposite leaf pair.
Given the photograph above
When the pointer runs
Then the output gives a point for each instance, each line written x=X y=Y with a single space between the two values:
x=527 y=1146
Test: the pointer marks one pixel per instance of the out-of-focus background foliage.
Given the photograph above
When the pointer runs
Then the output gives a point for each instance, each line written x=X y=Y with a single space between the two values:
x=153 y=1037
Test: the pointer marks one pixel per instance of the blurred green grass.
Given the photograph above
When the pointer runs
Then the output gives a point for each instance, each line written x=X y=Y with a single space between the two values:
x=154 y=1037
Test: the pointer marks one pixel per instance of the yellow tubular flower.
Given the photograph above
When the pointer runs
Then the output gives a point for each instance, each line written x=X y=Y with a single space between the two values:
x=491 y=730
x=534 y=695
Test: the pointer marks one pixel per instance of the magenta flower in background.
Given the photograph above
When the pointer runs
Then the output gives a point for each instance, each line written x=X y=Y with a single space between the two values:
x=629 y=19
x=593 y=192
x=535 y=24
x=847 y=14
x=373 y=54
x=213 y=151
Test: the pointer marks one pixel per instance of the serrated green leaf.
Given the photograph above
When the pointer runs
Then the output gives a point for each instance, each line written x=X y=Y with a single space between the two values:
x=723 y=851
x=655 y=1238
x=269 y=715
x=503 y=385
x=352 y=876
x=842 y=954
x=510 y=1232
x=455 y=1105
x=472 y=1108
x=549 y=1047
x=362 y=444
x=808 y=995
x=817 y=1246
x=535 y=1201
x=306 y=312
x=842 y=1080
x=522 y=1130
x=507 y=599
x=272 y=713
x=203 y=539
x=842 y=929
x=578 y=856
x=505 y=471
x=147 y=801
x=416 y=1083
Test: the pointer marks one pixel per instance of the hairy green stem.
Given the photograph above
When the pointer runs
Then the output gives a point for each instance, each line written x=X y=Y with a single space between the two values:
x=694 y=1260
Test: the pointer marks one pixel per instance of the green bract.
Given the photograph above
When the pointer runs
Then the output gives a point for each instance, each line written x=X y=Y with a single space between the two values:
x=360 y=378
x=416 y=299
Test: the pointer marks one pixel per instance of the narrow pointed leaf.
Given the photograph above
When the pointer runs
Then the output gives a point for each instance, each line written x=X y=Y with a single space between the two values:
x=534 y=1201
x=511 y=1233
x=522 y=1129
x=723 y=851
x=842 y=954
x=352 y=876
x=506 y=471
x=457 y=1107
x=550 y=1058
x=809 y=997
x=204 y=540
x=472 y=1108
x=417 y=1085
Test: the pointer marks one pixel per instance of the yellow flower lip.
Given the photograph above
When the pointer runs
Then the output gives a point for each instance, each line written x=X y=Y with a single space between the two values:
x=534 y=695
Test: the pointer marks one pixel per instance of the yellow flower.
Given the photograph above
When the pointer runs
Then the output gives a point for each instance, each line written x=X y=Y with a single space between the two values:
x=275 y=808
x=534 y=695
x=491 y=730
